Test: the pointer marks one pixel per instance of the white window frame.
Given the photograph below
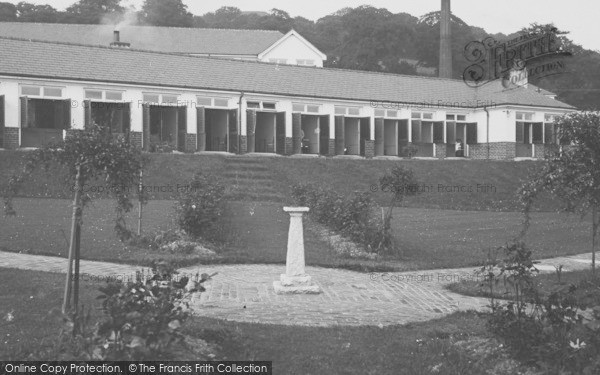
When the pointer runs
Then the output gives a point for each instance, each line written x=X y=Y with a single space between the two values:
x=305 y=107
x=212 y=101
x=42 y=91
x=103 y=93
x=160 y=98
x=261 y=105
x=524 y=116
x=345 y=110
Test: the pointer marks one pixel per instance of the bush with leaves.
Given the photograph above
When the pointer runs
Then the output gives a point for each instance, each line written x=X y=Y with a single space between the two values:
x=547 y=331
x=141 y=320
x=353 y=217
x=201 y=206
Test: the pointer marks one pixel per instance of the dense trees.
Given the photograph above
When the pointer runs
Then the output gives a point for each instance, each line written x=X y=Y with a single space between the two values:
x=362 y=38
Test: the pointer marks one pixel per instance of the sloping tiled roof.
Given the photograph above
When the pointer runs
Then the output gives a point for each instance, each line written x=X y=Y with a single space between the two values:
x=103 y=64
x=161 y=39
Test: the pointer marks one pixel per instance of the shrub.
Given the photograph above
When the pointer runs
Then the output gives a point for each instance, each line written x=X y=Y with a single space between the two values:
x=201 y=206
x=353 y=217
x=548 y=331
x=141 y=320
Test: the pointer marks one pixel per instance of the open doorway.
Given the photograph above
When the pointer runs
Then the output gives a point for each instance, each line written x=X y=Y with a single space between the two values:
x=115 y=117
x=311 y=130
x=168 y=127
x=266 y=123
x=43 y=120
x=217 y=123
x=390 y=137
x=352 y=136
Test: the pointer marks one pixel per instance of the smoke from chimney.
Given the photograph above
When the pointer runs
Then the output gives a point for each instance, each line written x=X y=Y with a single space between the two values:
x=445 y=67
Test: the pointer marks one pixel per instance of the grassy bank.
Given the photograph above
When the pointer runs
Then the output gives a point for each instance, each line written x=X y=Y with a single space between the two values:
x=446 y=184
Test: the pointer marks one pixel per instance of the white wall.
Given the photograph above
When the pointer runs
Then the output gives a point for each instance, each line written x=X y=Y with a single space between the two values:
x=292 y=49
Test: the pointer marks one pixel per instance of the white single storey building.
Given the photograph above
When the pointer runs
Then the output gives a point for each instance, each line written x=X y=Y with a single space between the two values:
x=164 y=101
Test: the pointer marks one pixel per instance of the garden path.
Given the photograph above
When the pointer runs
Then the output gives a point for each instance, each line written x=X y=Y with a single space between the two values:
x=244 y=292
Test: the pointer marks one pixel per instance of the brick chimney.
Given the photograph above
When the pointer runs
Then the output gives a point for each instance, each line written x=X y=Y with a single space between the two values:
x=117 y=40
x=445 y=68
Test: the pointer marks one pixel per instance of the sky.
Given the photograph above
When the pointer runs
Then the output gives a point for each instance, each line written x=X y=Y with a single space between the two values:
x=580 y=17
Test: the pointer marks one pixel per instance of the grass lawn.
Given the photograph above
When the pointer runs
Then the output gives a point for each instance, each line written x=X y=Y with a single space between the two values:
x=457 y=344
x=587 y=289
x=258 y=234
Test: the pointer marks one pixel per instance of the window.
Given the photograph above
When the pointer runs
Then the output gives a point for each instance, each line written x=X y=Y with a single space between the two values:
x=387 y=113
x=354 y=111
x=101 y=94
x=350 y=111
x=461 y=118
x=253 y=105
x=151 y=98
x=422 y=115
x=31 y=90
x=221 y=103
x=305 y=62
x=268 y=105
x=53 y=92
x=204 y=102
x=525 y=116
x=50 y=91
x=549 y=117
x=278 y=61
x=298 y=107
x=169 y=99
x=114 y=95
x=93 y=94
x=156 y=99
x=313 y=108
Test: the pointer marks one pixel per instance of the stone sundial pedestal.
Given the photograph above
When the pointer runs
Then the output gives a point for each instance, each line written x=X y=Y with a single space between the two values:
x=295 y=280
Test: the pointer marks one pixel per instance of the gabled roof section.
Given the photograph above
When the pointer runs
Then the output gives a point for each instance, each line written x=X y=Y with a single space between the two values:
x=300 y=37
x=151 y=38
x=35 y=59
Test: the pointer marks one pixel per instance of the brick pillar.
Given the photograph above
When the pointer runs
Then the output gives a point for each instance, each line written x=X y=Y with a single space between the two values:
x=296 y=133
x=289 y=146
x=339 y=135
x=190 y=142
x=11 y=138
x=331 y=148
x=440 y=150
x=243 y=144
x=379 y=141
x=201 y=126
x=136 y=139
x=250 y=130
x=369 y=148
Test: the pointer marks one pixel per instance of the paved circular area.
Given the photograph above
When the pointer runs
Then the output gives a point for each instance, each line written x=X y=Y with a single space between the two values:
x=245 y=293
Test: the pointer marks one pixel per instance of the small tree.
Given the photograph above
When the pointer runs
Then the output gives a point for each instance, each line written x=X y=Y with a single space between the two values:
x=88 y=155
x=572 y=173
x=399 y=183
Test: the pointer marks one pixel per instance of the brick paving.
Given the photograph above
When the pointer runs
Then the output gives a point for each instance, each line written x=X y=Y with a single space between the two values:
x=245 y=293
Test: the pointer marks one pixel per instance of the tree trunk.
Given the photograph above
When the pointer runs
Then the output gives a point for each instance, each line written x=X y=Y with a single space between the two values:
x=73 y=243
x=140 y=192
x=594 y=237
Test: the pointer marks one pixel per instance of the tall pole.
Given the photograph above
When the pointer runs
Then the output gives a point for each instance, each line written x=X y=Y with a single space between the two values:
x=445 y=66
x=73 y=243
x=140 y=192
